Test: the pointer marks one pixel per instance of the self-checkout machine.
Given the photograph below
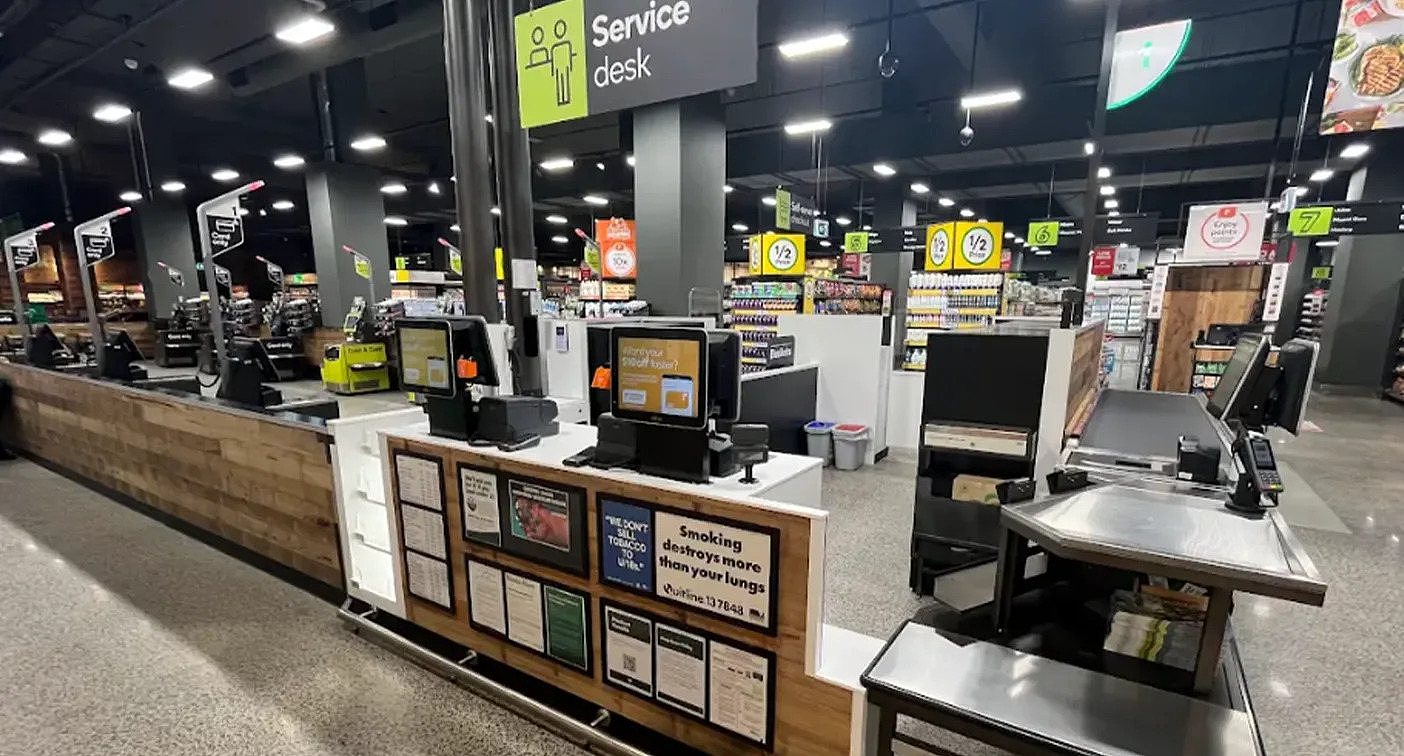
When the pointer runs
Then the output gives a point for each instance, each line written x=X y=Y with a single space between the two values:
x=286 y=324
x=21 y=252
x=178 y=339
x=361 y=364
x=113 y=356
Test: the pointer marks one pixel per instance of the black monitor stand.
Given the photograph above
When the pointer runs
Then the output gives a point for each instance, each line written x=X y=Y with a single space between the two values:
x=507 y=422
x=676 y=453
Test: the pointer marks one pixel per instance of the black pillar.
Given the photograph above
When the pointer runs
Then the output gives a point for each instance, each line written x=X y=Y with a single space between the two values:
x=345 y=208
x=893 y=207
x=161 y=224
x=1092 y=195
x=680 y=153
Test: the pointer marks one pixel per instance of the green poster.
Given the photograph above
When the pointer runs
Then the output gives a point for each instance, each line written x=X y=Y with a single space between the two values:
x=1322 y=273
x=1043 y=234
x=567 y=638
x=782 y=209
x=1310 y=221
x=551 y=66
x=855 y=241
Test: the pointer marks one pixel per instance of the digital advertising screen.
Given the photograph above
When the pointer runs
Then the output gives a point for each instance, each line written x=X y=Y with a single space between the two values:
x=1366 y=89
x=661 y=377
x=425 y=358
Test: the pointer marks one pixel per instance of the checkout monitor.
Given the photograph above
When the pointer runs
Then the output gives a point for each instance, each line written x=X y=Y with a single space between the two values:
x=1239 y=377
x=436 y=354
x=660 y=376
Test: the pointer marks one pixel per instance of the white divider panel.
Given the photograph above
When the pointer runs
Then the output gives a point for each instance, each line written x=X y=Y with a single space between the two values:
x=854 y=368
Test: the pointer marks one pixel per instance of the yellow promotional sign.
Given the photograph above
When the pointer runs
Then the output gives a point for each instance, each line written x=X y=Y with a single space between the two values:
x=779 y=255
x=753 y=253
x=363 y=267
x=978 y=245
x=940 y=237
x=501 y=274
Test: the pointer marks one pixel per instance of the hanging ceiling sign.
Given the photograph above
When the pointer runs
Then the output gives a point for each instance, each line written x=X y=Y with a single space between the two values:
x=1133 y=230
x=1231 y=231
x=1347 y=219
x=1142 y=58
x=619 y=247
x=794 y=212
x=223 y=276
x=97 y=244
x=577 y=58
x=24 y=252
x=275 y=272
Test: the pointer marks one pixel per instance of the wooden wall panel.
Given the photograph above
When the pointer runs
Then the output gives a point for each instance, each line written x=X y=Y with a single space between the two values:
x=262 y=485
x=1196 y=297
x=812 y=717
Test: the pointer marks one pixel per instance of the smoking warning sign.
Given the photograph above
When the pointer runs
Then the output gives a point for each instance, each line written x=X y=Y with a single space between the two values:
x=723 y=569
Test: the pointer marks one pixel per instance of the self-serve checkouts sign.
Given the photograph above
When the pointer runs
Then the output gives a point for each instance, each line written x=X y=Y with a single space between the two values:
x=581 y=57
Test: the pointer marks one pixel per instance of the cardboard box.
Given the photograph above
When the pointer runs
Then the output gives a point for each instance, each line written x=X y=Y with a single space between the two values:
x=976 y=488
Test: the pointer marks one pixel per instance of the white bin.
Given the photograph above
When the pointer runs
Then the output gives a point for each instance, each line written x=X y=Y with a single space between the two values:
x=850 y=446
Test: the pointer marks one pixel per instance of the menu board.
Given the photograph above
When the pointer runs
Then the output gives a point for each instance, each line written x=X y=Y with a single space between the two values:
x=419 y=481
x=424 y=531
x=1366 y=87
x=428 y=579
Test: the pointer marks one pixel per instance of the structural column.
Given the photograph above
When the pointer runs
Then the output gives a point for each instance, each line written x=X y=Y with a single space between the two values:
x=163 y=235
x=346 y=208
x=680 y=151
x=893 y=208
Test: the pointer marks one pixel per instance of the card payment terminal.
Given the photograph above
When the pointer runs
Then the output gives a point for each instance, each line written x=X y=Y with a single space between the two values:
x=1259 y=476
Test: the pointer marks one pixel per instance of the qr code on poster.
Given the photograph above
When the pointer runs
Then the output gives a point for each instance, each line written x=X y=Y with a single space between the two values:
x=631 y=664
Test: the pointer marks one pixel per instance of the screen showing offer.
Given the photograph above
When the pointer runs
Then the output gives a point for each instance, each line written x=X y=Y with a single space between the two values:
x=626 y=544
x=938 y=246
x=1226 y=232
x=582 y=57
x=424 y=357
x=659 y=376
x=723 y=569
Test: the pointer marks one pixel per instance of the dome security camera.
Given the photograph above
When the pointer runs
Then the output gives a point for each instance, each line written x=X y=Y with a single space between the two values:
x=888 y=63
x=967 y=135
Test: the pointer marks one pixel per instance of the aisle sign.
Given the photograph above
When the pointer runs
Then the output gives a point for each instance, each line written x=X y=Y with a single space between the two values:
x=855 y=241
x=1347 y=219
x=1043 y=234
x=1321 y=273
x=978 y=245
x=1310 y=221
x=362 y=264
x=778 y=255
x=939 y=238
x=723 y=569
x=1232 y=231
x=794 y=212
x=618 y=240
x=821 y=228
x=577 y=58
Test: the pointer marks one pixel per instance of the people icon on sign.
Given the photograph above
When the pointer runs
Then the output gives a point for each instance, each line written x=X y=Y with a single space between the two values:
x=560 y=56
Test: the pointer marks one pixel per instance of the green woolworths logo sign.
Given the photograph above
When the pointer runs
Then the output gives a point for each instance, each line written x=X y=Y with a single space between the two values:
x=580 y=57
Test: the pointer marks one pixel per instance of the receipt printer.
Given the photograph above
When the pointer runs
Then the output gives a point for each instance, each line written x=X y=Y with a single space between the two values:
x=1197 y=463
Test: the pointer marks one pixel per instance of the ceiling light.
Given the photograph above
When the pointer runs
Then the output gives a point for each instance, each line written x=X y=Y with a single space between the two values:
x=1322 y=174
x=800 y=48
x=454 y=228
x=1327 y=243
x=283 y=205
x=1114 y=213
x=630 y=160
x=983 y=220
x=966 y=212
x=946 y=202
x=1354 y=151
x=1042 y=252
x=1089 y=147
x=190 y=78
x=815 y=126
x=1107 y=190
x=1111 y=204
x=991 y=99
x=112 y=113
x=560 y=239
x=173 y=187
x=1009 y=234
x=288 y=162
x=305 y=30
x=740 y=228
x=883 y=169
x=12 y=157
x=595 y=199
x=559 y=220
x=728 y=188
x=225 y=174
x=396 y=221
x=920 y=188
x=131 y=195
x=1301 y=190
x=826 y=243
x=1018 y=240
x=434 y=188
x=394 y=188
x=557 y=164
x=867 y=227
x=843 y=220
x=369 y=143
x=1104 y=172
x=55 y=138
x=242 y=211
x=768 y=201
x=495 y=210
x=599 y=166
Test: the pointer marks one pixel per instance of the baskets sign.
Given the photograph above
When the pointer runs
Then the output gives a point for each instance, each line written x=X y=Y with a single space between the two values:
x=581 y=57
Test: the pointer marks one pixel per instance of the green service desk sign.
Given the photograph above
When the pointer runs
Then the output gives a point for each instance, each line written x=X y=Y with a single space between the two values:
x=582 y=57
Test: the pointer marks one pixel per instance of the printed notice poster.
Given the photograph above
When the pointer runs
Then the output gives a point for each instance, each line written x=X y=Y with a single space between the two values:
x=723 y=569
x=420 y=481
x=428 y=579
x=627 y=544
x=629 y=651
x=424 y=531
x=681 y=660
x=539 y=514
x=567 y=639
x=739 y=691
x=524 y=611
x=485 y=600
x=481 y=518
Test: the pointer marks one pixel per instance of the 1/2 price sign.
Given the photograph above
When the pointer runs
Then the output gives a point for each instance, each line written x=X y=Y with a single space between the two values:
x=978 y=245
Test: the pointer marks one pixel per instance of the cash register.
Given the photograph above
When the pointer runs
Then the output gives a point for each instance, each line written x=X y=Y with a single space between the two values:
x=444 y=359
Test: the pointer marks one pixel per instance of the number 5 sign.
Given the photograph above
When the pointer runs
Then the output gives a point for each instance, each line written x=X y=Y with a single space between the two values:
x=781 y=255
x=978 y=245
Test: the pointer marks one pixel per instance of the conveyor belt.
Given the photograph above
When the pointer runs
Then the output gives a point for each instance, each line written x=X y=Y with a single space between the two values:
x=1148 y=423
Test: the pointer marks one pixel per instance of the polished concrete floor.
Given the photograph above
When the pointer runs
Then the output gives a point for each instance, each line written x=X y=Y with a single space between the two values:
x=123 y=636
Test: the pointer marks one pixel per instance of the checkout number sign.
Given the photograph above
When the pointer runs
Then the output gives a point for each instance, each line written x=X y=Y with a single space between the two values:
x=978 y=245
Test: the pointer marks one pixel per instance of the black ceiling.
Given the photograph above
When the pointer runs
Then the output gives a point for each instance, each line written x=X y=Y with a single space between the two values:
x=1210 y=131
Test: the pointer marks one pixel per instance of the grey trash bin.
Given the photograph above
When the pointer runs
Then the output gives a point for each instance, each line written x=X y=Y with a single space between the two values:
x=820 y=437
x=850 y=446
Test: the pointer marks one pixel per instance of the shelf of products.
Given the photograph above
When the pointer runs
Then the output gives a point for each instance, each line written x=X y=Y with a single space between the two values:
x=1210 y=361
x=1122 y=304
x=947 y=302
x=754 y=305
x=1313 y=314
x=1025 y=299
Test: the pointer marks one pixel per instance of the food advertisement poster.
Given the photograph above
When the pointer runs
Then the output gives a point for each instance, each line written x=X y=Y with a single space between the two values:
x=545 y=522
x=1366 y=88
x=719 y=568
x=626 y=545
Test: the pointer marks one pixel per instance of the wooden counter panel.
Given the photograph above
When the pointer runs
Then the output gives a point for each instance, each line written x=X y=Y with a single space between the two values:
x=264 y=486
x=1195 y=298
x=812 y=717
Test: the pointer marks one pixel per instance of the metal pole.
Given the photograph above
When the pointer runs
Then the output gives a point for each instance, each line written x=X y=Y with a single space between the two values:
x=14 y=276
x=207 y=262
x=89 y=297
x=513 y=160
x=463 y=61
x=1099 y=132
